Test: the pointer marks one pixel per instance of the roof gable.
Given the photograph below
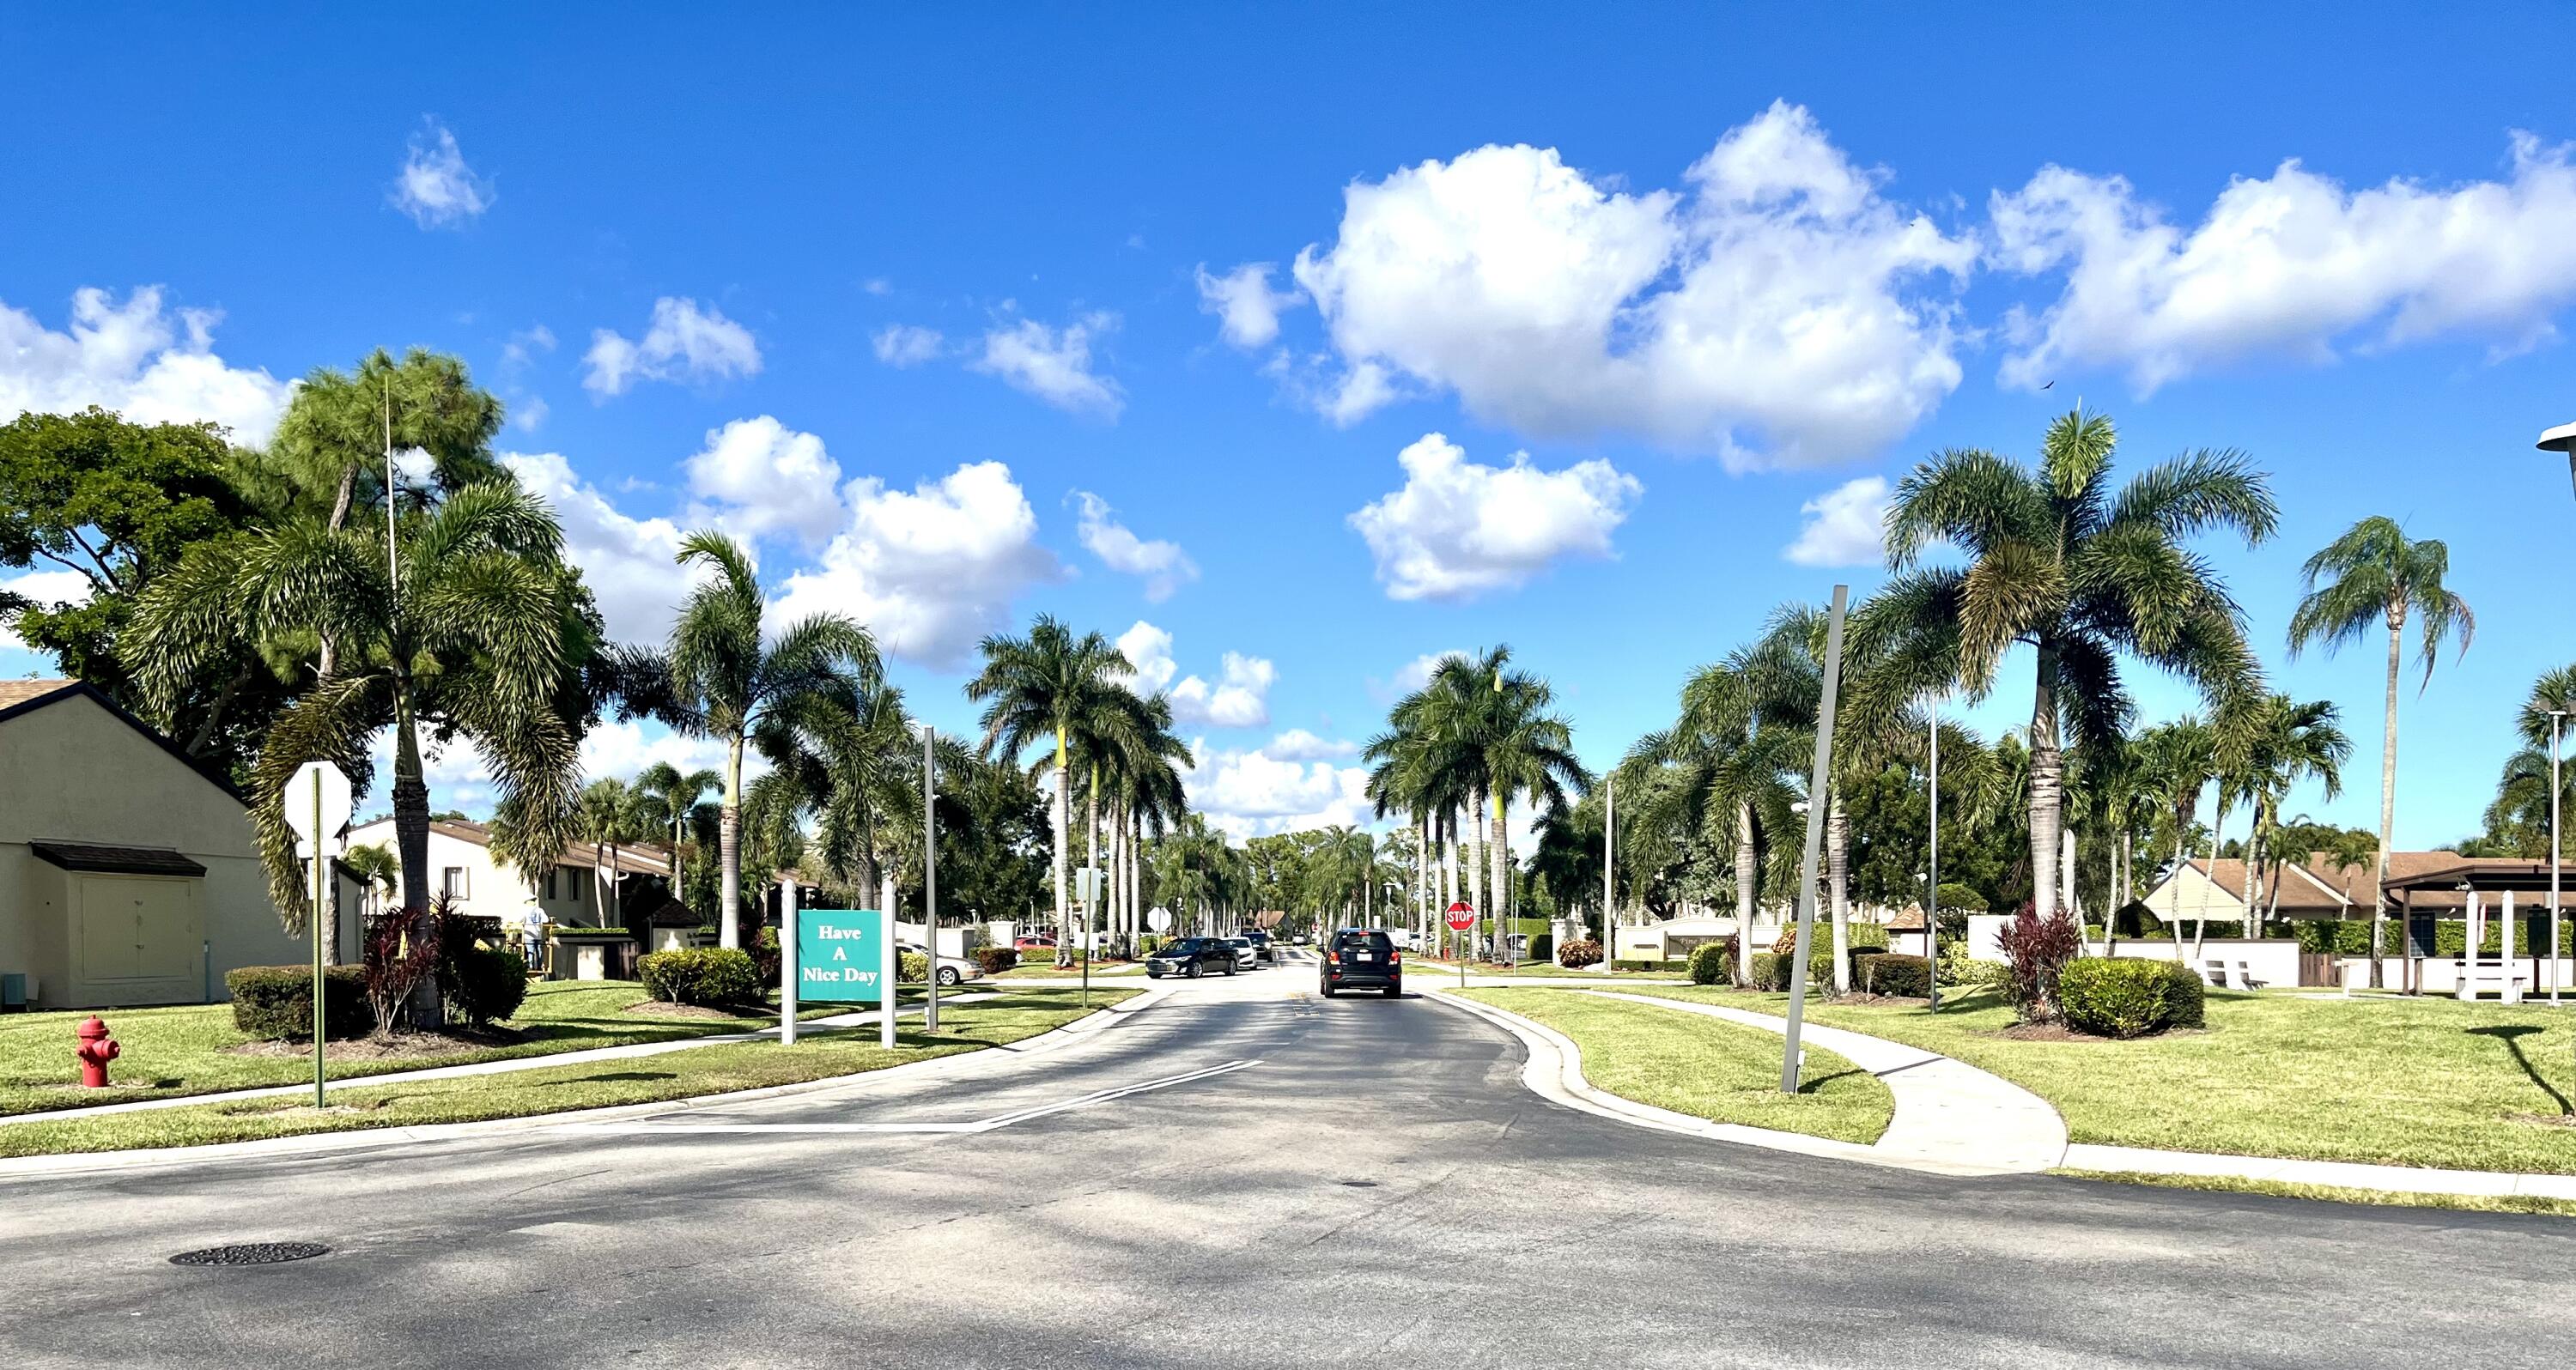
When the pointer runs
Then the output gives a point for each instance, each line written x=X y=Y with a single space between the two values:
x=19 y=698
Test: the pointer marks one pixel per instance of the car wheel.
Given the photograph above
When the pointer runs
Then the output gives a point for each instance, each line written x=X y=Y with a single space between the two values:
x=1229 y=969
x=948 y=976
x=1395 y=991
x=1328 y=991
x=1194 y=966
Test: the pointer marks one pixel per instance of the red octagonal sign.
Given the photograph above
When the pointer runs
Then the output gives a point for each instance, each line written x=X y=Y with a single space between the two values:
x=1461 y=917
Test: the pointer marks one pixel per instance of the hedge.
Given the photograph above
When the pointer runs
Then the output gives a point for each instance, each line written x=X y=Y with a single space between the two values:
x=1894 y=974
x=912 y=967
x=276 y=1002
x=1711 y=964
x=699 y=975
x=2117 y=998
x=1542 y=948
x=995 y=960
x=1771 y=969
x=483 y=985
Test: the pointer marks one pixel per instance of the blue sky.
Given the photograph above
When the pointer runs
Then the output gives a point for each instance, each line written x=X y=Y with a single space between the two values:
x=890 y=295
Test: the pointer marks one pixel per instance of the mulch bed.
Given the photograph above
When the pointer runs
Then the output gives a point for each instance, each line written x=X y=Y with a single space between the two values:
x=406 y=1046
x=2059 y=1032
x=1878 y=1001
x=655 y=1008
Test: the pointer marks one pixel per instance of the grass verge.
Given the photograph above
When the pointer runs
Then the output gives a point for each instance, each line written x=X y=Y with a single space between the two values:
x=1705 y=1067
x=2326 y=1193
x=717 y=1069
x=2421 y=1082
x=193 y=1048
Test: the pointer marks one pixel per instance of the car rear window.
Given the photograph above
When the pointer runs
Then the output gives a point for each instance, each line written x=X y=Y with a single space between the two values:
x=1364 y=941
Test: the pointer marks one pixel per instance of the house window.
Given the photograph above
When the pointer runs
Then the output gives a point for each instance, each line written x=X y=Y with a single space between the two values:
x=452 y=881
x=550 y=881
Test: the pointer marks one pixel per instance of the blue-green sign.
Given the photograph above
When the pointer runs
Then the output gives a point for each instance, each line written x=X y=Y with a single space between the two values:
x=841 y=955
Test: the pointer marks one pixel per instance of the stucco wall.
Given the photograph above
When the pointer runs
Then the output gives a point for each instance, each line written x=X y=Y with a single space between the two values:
x=74 y=772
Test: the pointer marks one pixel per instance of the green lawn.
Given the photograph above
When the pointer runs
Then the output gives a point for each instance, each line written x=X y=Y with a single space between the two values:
x=2326 y=1193
x=182 y=1050
x=1704 y=1067
x=1546 y=969
x=2391 y=1081
x=555 y=1089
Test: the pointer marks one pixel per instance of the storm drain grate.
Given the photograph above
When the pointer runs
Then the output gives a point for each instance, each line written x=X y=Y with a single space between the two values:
x=252 y=1253
x=1357 y=1184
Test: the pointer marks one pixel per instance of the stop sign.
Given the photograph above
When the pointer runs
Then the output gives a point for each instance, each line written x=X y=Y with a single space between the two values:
x=1461 y=917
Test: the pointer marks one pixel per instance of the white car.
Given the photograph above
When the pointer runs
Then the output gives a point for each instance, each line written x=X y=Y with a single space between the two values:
x=1246 y=956
x=953 y=970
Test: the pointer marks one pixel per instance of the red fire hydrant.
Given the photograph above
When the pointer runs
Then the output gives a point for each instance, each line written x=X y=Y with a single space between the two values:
x=95 y=1051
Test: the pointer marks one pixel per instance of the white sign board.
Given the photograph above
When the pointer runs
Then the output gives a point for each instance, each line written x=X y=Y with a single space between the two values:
x=1086 y=884
x=1159 y=919
x=331 y=785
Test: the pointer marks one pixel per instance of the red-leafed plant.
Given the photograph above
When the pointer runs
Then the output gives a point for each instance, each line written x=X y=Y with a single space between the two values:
x=2035 y=954
x=398 y=960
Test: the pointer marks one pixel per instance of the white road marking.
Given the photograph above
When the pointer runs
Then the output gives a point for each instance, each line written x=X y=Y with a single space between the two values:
x=657 y=1129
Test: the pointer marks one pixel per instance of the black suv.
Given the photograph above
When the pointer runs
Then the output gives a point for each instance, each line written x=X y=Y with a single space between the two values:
x=1190 y=956
x=1363 y=958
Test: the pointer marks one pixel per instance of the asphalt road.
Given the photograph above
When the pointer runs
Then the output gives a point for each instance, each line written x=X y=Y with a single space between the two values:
x=1376 y=1189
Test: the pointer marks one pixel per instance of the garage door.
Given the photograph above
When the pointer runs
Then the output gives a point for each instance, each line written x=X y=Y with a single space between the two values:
x=137 y=928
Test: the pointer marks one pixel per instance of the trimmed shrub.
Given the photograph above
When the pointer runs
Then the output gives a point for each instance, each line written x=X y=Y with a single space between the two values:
x=1894 y=974
x=912 y=967
x=484 y=985
x=1577 y=954
x=699 y=975
x=2115 y=998
x=1709 y=964
x=276 y=1002
x=1961 y=971
x=1771 y=970
x=995 y=960
x=1541 y=947
x=1963 y=897
x=2035 y=953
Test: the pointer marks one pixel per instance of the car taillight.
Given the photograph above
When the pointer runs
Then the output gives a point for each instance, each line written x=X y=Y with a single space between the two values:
x=1395 y=958
x=1332 y=958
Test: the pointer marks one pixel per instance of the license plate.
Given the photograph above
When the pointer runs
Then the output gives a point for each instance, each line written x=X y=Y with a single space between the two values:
x=1365 y=956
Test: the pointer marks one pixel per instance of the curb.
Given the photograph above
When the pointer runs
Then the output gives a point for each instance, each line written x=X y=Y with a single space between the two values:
x=77 y=1164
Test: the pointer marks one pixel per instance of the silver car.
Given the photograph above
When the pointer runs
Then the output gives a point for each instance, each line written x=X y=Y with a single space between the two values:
x=1246 y=955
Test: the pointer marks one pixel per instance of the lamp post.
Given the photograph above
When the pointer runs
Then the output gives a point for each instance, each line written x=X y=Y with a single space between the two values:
x=1932 y=905
x=2561 y=439
x=2556 y=718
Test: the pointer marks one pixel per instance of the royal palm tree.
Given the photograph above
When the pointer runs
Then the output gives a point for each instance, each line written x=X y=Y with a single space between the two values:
x=2291 y=743
x=721 y=674
x=1047 y=684
x=2061 y=562
x=478 y=633
x=675 y=798
x=2175 y=761
x=1488 y=727
x=2372 y=576
x=612 y=815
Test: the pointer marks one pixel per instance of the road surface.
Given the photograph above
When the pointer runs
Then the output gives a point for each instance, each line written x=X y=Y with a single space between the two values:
x=1245 y=1176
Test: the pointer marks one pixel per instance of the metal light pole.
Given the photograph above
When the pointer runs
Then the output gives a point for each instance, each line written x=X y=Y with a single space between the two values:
x=2556 y=718
x=1816 y=811
x=1932 y=906
x=2561 y=439
x=1609 y=866
x=790 y=959
x=930 y=875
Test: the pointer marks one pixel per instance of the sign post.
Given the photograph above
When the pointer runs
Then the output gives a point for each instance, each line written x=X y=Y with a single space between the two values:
x=851 y=961
x=1461 y=918
x=930 y=877
x=316 y=802
x=787 y=961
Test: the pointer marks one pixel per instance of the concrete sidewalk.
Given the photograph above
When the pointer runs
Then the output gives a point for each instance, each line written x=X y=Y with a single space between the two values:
x=628 y=1052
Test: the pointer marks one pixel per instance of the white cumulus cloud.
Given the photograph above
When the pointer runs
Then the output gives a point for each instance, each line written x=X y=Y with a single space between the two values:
x=1297 y=744
x=1458 y=529
x=1777 y=310
x=929 y=570
x=906 y=344
x=1238 y=698
x=1162 y=565
x=2291 y=264
x=1846 y=526
x=436 y=188
x=150 y=364
x=1249 y=793
x=765 y=477
x=43 y=589
x=629 y=563
x=1054 y=364
x=1247 y=309
x=683 y=343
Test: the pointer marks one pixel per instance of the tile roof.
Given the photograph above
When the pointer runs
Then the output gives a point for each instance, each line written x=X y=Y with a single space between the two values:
x=16 y=692
x=91 y=856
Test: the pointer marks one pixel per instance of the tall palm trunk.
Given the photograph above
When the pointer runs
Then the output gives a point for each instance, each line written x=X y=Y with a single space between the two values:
x=2047 y=786
x=1091 y=855
x=1062 y=818
x=729 y=848
x=1838 y=877
x=411 y=843
x=2217 y=830
x=1500 y=857
x=1747 y=892
x=2387 y=790
x=2067 y=894
x=1476 y=868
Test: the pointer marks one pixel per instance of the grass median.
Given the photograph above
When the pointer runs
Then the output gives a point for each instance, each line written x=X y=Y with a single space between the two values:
x=195 y=1049
x=2384 y=1081
x=1705 y=1067
x=720 y=1068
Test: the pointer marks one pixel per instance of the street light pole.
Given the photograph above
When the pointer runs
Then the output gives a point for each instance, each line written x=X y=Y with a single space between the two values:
x=2561 y=439
x=1609 y=864
x=1817 y=807
x=2556 y=718
x=1932 y=906
x=930 y=875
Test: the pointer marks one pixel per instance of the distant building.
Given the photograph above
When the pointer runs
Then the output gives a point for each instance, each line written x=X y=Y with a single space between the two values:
x=463 y=867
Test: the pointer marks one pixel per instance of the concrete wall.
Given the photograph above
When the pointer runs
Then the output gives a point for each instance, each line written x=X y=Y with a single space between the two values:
x=74 y=772
x=2275 y=962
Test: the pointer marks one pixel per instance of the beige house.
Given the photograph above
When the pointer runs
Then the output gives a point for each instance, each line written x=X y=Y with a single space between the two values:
x=2315 y=888
x=128 y=874
x=462 y=867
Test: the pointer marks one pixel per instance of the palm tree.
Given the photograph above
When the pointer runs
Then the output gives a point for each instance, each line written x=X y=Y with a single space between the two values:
x=377 y=872
x=721 y=675
x=477 y=633
x=1048 y=683
x=2175 y=760
x=2060 y=562
x=2291 y=743
x=675 y=797
x=2380 y=577
x=850 y=752
x=612 y=815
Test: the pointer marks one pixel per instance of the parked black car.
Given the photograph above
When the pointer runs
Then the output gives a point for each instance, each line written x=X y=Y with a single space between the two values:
x=1363 y=958
x=1261 y=945
x=1191 y=957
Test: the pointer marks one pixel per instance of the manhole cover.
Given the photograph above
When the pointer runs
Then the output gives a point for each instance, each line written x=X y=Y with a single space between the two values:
x=1358 y=1184
x=252 y=1253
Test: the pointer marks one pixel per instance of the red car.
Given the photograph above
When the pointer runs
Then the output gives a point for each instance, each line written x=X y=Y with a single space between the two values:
x=1033 y=944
